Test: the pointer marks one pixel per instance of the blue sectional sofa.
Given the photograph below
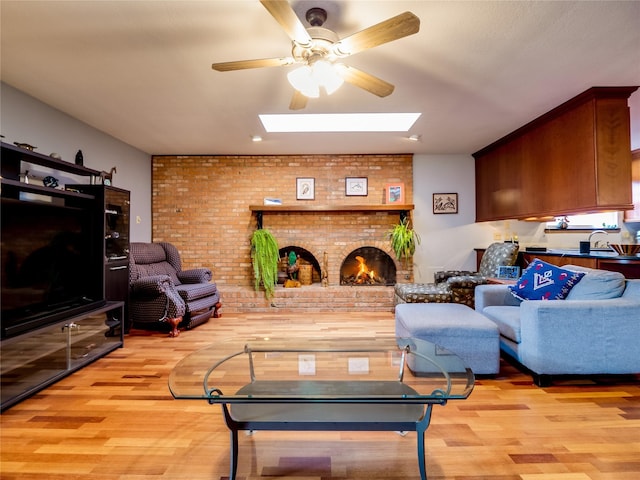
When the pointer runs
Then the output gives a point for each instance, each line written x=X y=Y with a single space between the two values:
x=595 y=330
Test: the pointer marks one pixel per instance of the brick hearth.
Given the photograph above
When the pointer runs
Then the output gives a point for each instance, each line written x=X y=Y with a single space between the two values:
x=309 y=299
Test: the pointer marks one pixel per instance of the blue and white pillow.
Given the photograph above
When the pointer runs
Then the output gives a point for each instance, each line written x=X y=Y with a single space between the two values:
x=543 y=281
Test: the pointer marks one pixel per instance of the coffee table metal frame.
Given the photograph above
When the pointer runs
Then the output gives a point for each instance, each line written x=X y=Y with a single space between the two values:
x=329 y=405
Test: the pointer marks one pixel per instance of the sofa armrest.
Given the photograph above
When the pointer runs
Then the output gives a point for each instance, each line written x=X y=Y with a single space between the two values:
x=466 y=281
x=490 y=295
x=159 y=288
x=580 y=336
x=151 y=286
x=444 y=275
x=195 y=275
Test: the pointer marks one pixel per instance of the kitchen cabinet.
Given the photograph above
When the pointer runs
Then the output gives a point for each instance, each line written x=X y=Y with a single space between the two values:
x=573 y=159
x=634 y=215
x=629 y=267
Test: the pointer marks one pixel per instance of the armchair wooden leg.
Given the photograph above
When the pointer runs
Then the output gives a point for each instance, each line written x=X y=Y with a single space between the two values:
x=174 y=322
x=216 y=310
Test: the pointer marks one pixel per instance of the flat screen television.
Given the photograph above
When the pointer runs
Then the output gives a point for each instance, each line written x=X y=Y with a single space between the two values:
x=51 y=264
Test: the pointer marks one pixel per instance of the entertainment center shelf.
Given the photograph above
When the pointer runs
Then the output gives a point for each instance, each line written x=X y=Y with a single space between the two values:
x=13 y=155
x=15 y=187
x=64 y=271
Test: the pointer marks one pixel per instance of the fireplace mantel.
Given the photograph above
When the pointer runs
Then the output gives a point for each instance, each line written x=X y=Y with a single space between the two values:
x=261 y=209
x=329 y=208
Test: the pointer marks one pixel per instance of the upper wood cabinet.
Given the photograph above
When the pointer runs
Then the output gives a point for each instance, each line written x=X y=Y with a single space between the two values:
x=634 y=215
x=574 y=159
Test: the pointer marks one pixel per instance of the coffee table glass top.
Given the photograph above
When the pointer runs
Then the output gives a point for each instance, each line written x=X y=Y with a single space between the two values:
x=341 y=370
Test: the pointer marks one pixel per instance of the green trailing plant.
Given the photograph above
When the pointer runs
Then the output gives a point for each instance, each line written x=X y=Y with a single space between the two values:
x=264 y=258
x=404 y=239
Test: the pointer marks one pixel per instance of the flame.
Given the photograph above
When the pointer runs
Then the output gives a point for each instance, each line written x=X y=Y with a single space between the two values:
x=364 y=270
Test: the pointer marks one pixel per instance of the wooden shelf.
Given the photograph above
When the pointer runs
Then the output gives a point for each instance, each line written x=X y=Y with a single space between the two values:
x=259 y=210
x=330 y=208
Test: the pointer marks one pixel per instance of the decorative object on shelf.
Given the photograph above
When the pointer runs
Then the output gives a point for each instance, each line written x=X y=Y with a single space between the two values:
x=404 y=240
x=563 y=223
x=50 y=181
x=305 y=188
x=55 y=155
x=79 y=158
x=264 y=258
x=26 y=146
x=325 y=269
x=293 y=265
x=356 y=187
x=445 y=203
x=107 y=177
x=394 y=193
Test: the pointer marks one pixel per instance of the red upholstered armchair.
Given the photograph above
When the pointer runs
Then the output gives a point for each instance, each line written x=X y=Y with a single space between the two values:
x=160 y=291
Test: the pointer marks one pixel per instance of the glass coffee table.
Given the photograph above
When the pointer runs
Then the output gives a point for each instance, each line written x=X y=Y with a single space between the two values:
x=337 y=384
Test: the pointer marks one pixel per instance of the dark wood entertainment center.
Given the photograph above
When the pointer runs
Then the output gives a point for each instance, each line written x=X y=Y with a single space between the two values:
x=52 y=344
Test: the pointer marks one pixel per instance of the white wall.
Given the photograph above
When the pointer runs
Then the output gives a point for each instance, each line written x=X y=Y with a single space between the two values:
x=27 y=120
x=448 y=240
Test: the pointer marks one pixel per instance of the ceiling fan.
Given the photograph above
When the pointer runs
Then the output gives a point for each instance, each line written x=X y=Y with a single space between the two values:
x=318 y=51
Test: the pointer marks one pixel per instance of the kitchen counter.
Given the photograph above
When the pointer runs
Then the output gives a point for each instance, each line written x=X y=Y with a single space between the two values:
x=603 y=259
x=595 y=253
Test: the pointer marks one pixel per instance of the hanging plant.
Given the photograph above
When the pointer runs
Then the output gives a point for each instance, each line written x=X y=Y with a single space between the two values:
x=404 y=240
x=264 y=258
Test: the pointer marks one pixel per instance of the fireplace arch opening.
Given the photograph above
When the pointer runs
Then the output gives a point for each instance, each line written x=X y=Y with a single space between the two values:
x=368 y=266
x=304 y=256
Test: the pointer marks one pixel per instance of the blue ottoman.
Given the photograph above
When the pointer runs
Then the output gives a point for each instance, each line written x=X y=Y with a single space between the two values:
x=456 y=327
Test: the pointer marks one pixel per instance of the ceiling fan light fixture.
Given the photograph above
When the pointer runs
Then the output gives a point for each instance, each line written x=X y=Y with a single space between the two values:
x=326 y=76
x=303 y=80
x=309 y=78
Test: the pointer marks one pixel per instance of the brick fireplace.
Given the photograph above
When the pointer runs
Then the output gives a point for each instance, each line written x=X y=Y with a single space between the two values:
x=209 y=206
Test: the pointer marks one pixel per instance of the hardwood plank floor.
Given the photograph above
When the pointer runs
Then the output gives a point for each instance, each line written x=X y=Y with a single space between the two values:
x=116 y=419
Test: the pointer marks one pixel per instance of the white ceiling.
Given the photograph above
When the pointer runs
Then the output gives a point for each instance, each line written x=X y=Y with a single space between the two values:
x=141 y=70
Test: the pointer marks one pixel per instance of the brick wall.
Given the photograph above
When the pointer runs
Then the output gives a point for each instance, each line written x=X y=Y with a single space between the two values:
x=201 y=205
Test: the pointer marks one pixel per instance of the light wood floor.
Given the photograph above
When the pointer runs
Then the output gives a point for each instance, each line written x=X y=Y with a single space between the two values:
x=116 y=419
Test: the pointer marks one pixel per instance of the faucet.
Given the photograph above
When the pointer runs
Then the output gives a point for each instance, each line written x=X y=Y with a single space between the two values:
x=593 y=233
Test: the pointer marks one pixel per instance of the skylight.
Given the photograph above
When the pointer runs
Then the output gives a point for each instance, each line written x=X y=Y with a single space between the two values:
x=339 y=122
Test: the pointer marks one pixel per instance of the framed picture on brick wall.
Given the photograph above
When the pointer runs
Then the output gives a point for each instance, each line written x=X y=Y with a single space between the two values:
x=356 y=187
x=305 y=188
x=394 y=193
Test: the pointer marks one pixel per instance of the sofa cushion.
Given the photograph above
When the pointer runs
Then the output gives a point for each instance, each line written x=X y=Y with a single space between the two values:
x=596 y=284
x=543 y=281
x=507 y=318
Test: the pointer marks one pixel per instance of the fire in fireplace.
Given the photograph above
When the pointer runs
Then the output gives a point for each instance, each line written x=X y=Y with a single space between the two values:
x=368 y=266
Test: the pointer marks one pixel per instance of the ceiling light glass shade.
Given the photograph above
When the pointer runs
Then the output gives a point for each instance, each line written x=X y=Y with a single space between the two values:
x=326 y=76
x=302 y=79
x=309 y=78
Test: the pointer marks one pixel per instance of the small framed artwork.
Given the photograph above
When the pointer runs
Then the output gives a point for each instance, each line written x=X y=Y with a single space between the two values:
x=305 y=188
x=445 y=203
x=508 y=272
x=356 y=186
x=394 y=193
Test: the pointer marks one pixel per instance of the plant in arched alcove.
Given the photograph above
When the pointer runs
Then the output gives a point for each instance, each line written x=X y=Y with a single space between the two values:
x=404 y=239
x=264 y=258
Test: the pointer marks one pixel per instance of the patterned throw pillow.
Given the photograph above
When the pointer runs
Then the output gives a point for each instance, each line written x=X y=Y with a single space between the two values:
x=543 y=281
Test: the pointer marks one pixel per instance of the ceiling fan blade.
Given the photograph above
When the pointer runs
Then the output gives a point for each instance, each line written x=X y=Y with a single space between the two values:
x=298 y=101
x=392 y=29
x=244 y=64
x=365 y=80
x=288 y=20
